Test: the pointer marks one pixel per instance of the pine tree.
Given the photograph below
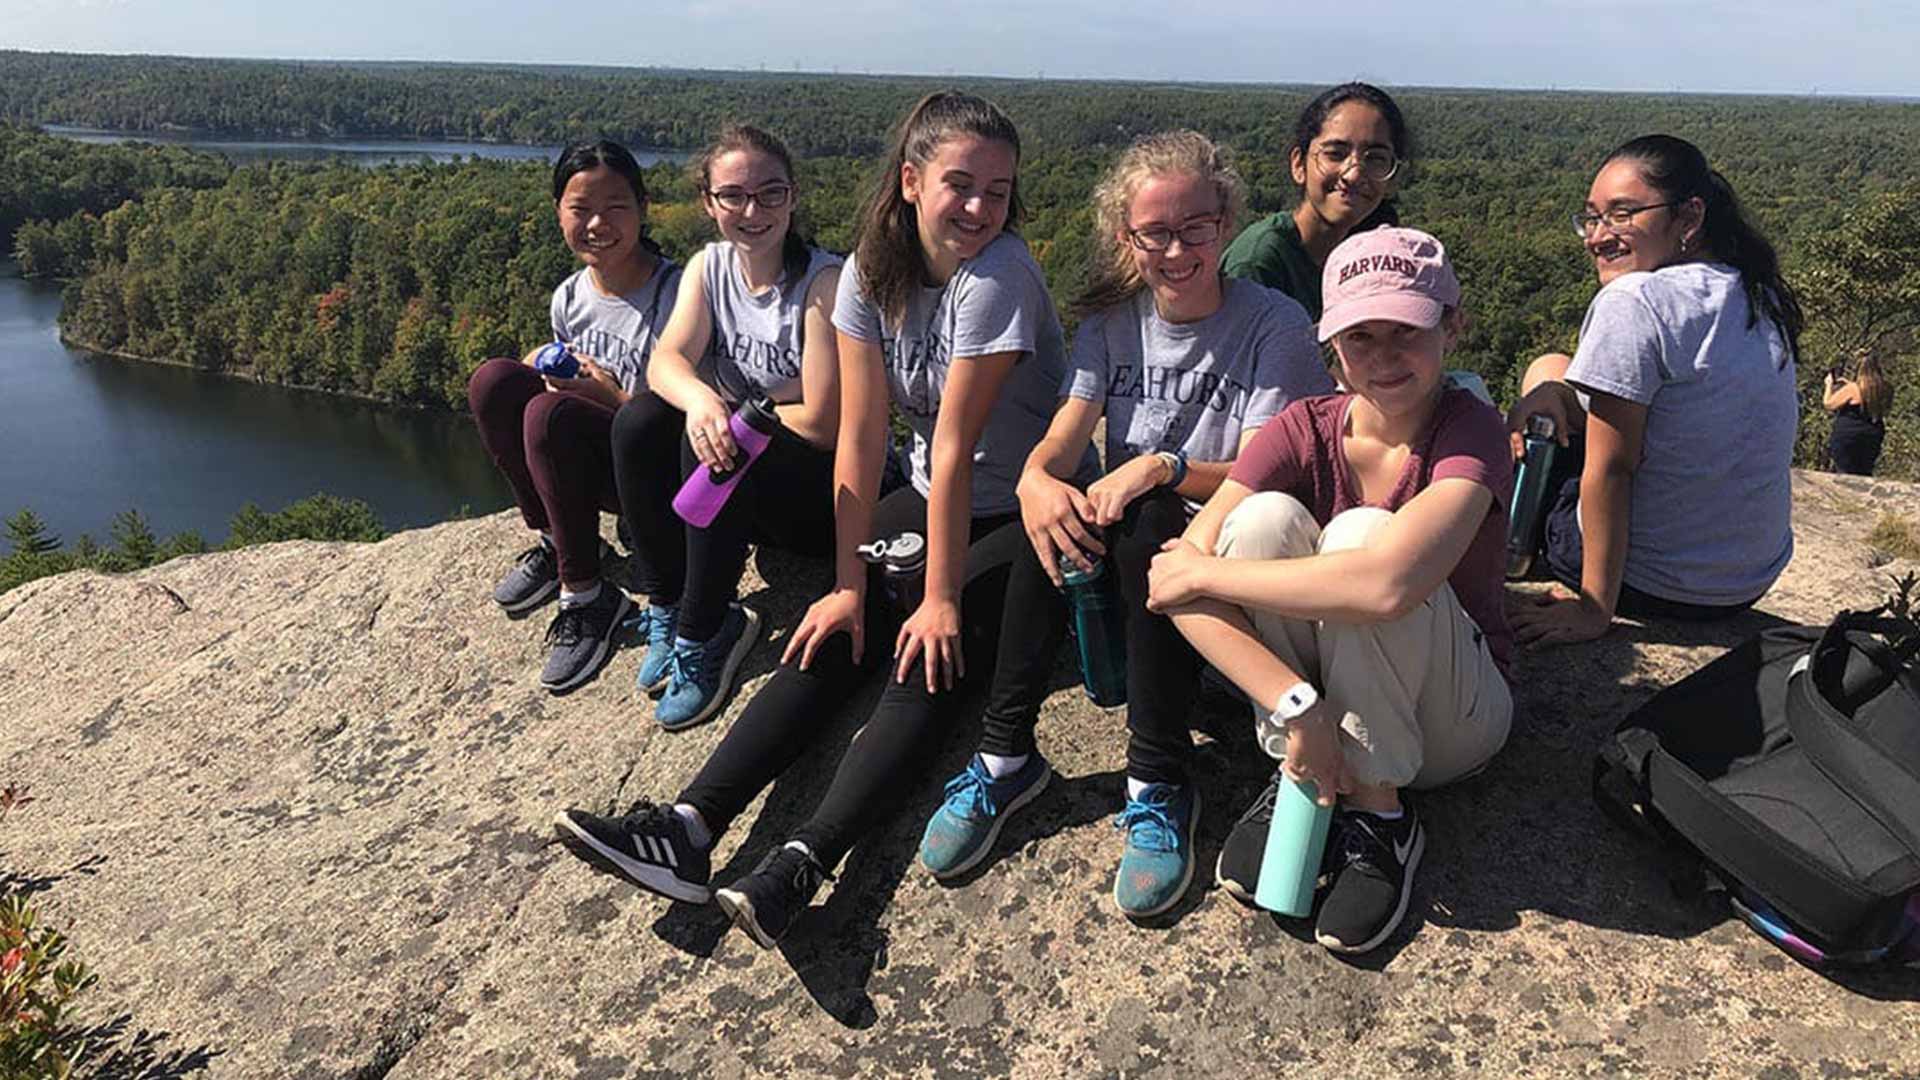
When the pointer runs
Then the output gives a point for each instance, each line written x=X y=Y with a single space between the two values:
x=27 y=534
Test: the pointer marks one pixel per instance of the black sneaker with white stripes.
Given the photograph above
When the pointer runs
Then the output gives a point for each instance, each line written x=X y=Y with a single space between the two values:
x=648 y=847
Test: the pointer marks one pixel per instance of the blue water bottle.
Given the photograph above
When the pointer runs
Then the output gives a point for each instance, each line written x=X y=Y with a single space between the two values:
x=1524 y=520
x=1297 y=837
x=1100 y=628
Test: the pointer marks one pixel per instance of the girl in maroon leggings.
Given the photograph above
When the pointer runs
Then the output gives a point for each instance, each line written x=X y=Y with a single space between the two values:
x=551 y=436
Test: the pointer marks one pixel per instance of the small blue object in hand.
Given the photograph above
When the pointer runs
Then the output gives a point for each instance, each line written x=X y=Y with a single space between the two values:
x=556 y=360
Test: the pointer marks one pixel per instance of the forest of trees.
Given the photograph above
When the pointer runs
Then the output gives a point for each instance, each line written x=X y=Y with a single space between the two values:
x=395 y=282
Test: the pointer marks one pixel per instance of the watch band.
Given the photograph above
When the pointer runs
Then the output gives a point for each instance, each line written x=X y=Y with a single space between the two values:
x=1176 y=464
x=1295 y=703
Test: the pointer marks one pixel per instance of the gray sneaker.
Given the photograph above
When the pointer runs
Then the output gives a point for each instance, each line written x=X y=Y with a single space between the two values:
x=534 y=579
x=582 y=638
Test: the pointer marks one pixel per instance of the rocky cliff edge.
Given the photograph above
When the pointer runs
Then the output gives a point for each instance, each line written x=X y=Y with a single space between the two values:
x=294 y=803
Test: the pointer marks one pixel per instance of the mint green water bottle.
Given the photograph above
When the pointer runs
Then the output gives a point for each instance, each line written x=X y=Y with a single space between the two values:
x=1296 y=839
x=1297 y=836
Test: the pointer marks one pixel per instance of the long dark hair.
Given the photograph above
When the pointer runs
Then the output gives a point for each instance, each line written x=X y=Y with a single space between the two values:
x=796 y=254
x=1678 y=170
x=1314 y=117
x=887 y=248
x=582 y=156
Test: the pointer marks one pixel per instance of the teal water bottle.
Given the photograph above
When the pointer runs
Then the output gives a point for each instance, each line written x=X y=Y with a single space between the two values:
x=1528 y=514
x=1100 y=629
x=1296 y=840
x=1297 y=836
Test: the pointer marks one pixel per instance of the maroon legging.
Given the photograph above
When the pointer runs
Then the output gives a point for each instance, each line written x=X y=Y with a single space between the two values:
x=556 y=452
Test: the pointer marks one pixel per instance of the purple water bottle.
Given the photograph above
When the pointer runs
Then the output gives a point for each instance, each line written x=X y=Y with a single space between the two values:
x=706 y=491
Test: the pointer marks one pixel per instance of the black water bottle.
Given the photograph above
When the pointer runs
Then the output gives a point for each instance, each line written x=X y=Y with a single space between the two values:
x=1528 y=514
x=902 y=559
x=1100 y=629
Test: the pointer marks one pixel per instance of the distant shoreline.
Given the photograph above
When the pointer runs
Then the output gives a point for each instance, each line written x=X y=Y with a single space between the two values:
x=247 y=375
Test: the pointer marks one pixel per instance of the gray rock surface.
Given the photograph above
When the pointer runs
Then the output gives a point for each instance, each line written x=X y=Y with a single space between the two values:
x=294 y=807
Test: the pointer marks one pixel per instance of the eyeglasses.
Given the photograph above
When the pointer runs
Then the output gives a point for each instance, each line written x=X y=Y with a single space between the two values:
x=1376 y=162
x=1197 y=233
x=1614 y=217
x=771 y=197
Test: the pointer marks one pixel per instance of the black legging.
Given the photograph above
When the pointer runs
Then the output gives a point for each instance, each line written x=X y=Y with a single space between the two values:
x=907 y=725
x=1163 y=671
x=785 y=500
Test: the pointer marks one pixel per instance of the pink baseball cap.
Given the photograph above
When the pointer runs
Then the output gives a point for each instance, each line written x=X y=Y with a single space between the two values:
x=1401 y=275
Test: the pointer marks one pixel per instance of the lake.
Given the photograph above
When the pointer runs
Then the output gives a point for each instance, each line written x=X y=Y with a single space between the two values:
x=369 y=152
x=87 y=437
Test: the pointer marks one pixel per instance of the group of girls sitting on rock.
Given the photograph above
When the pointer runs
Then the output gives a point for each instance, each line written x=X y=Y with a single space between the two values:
x=1332 y=539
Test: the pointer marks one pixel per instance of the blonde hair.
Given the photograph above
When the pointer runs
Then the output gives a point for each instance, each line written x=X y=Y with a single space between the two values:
x=1114 y=277
x=1876 y=393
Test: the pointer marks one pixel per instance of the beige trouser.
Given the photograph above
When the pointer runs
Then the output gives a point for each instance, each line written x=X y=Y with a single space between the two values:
x=1419 y=698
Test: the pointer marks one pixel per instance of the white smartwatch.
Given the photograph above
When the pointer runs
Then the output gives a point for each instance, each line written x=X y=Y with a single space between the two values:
x=1299 y=698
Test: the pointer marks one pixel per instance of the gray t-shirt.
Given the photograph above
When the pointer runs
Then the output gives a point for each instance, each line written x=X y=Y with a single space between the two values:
x=756 y=341
x=995 y=302
x=1712 y=500
x=617 y=331
x=1195 y=386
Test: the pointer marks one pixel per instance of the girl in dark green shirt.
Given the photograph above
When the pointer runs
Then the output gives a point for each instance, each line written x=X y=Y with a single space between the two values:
x=1349 y=146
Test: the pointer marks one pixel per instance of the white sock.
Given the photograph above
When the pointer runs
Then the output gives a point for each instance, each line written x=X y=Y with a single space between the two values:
x=1389 y=815
x=697 y=830
x=569 y=598
x=800 y=846
x=999 y=765
x=1135 y=787
x=547 y=539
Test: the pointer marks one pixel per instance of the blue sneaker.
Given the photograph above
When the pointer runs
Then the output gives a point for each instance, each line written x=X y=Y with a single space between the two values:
x=654 y=623
x=1157 y=866
x=700 y=676
x=963 y=830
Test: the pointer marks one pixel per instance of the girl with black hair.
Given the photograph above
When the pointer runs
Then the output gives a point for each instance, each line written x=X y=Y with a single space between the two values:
x=1350 y=144
x=551 y=436
x=944 y=316
x=1681 y=400
x=754 y=319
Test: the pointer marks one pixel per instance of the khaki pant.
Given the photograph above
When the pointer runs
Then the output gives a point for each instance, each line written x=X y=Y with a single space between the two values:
x=1419 y=698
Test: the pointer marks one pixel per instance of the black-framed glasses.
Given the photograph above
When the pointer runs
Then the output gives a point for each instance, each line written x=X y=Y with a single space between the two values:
x=1376 y=162
x=771 y=197
x=1197 y=233
x=1614 y=217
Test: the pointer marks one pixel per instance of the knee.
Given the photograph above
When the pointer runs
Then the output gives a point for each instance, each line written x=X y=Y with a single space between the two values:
x=1549 y=368
x=540 y=422
x=486 y=385
x=640 y=424
x=1354 y=529
x=1268 y=525
x=1151 y=521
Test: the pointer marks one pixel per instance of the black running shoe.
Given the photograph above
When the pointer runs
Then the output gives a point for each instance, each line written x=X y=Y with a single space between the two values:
x=582 y=638
x=534 y=580
x=1237 y=871
x=648 y=847
x=765 y=902
x=1238 y=868
x=1370 y=892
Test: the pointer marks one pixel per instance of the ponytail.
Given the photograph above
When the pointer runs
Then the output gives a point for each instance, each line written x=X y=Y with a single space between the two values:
x=1679 y=171
x=887 y=246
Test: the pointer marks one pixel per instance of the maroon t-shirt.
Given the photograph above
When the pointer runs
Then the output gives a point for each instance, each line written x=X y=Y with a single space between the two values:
x=1302 y=453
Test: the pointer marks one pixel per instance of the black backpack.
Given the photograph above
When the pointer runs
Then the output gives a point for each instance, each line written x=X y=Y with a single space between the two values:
x=1789 y=771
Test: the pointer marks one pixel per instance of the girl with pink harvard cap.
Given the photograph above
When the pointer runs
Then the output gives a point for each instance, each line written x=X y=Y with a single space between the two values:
x=1347 y=576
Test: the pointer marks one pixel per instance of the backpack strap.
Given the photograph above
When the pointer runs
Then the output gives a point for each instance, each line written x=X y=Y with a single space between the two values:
x=1887 y=788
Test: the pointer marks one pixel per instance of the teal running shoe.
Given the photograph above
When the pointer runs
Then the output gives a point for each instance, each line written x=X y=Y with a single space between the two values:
x=963 y=830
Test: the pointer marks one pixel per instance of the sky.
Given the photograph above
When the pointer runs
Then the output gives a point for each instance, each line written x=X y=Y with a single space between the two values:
x=1762 y=46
